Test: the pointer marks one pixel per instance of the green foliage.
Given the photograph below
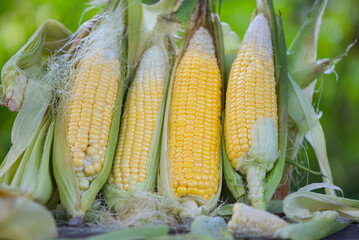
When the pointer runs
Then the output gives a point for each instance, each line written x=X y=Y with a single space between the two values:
x=339 y=100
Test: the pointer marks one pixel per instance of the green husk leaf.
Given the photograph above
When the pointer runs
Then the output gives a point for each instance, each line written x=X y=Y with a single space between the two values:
x=210 y=227
x=305 y=69
x=305 y=205
x=44 y=180
x=306 y=120
x=303 y=50
x=144 y=232
x=27 y=122
x=281 y=76
x=312 y=71
x=142 y=21
x=32 y=174
x=311 y=230
x=17 y=72
x=17 y=219
x=231 y=42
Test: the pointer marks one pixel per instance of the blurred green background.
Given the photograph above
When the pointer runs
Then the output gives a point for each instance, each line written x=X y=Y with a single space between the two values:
x=338 y=99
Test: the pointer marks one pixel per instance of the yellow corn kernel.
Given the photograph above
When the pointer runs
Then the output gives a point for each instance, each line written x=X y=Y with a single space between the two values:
x=195 y=124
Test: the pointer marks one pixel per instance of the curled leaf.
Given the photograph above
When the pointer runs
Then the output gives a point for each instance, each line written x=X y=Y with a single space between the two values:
x=305 y=205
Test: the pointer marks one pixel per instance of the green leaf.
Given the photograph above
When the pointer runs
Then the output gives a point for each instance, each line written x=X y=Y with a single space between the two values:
x=145 y=232
x=303 y=50
x=311 y=230
x=27 y=122
x=281 y=75
x=302 y=113
x=211 y=227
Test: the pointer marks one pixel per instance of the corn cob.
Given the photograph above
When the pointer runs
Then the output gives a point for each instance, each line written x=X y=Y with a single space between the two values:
x=194 y=128
x=136 y=159
x=139 y=121
x=247 y=222
x=87 y=126
x=250 y=125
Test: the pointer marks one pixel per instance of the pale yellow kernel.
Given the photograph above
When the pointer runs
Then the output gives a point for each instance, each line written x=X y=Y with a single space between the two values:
x=89 y=170
x=91 y=151
x=97 y=167
x=79 y=154
x=82 y=146
x=78 y=162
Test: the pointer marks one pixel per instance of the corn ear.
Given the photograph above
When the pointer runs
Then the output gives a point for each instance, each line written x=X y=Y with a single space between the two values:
x=18 y=71
x=79 y=184
x=185 y=200
x=152 y=75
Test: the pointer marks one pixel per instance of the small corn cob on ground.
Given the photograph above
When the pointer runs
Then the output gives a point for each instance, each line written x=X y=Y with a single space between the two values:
x=195 y=120
x=138 y=124
x=89 y=114
x=248 y=222
x=251 y=96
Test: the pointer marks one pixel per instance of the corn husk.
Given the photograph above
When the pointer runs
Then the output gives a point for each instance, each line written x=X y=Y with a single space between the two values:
x=31 y=173
x=28 y=161
x=305 y=69
x=142 y=22
x=267 y=183
x=305 y=205
x=18 y=71
x=189 y=205
x=311 y=230
x=318 y=215
x=75 y=201
x=22 y=218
